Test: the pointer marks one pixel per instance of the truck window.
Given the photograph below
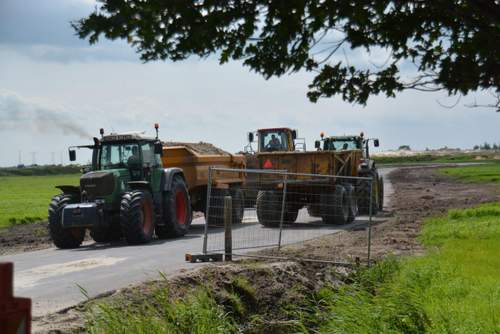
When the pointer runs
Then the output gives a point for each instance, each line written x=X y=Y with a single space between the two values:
x=274 y=141
x=116 y=155
x=343 y=145
x=149 y=158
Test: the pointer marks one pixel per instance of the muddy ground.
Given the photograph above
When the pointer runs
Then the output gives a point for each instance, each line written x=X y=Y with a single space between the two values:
x=418 y=193
x=24 y=238
x=34 y=236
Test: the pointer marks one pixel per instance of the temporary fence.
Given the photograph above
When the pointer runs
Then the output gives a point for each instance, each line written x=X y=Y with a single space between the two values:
x=278 y=214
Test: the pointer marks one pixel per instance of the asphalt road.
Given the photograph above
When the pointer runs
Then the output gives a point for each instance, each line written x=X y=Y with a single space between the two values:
x=52 y=277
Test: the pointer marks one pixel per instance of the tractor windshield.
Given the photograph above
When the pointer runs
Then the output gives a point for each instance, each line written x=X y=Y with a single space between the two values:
x=274 y=141
x=342 y=144
x=118 y=155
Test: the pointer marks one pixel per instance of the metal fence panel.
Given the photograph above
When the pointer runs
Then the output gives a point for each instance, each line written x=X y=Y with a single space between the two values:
x=279 y=210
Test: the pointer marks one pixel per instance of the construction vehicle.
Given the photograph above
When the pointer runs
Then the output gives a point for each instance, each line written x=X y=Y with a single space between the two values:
x=288 y=143
x=331 y=198
x=138 y=186
x=366 y=168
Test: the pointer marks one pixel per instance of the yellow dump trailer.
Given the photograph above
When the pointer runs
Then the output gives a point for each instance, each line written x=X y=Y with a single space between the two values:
x=195 y=163
x=322 y=181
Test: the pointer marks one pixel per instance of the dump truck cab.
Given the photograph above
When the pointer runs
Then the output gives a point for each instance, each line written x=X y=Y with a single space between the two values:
x=275 y=140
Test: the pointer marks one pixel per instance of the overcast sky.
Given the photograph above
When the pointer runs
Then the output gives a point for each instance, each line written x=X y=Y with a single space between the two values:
x=57 y=91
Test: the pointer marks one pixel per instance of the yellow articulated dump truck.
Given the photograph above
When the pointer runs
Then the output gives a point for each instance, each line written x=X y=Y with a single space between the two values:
x=330 y=196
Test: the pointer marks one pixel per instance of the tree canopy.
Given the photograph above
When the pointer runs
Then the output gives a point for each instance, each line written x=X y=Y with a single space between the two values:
x=452 y=45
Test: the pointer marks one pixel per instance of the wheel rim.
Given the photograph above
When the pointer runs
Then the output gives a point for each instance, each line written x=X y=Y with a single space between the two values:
x=180 y=207
x=147 y=217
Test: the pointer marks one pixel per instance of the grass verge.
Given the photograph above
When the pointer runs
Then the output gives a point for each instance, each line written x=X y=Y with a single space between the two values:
x=25 y=199
x=455 y=288
x=489 y=172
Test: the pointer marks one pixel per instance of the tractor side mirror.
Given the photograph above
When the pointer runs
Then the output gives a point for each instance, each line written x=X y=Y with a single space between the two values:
x=317 y=144
x=158 y=148
x=72 y=155
x=376 y=143
x=250 y=137
x=294 y=134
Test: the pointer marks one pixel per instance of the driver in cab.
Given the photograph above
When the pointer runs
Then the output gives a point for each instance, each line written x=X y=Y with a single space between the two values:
x=274 y=144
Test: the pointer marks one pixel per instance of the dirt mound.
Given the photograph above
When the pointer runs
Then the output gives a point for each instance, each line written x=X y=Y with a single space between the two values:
x=200 y=148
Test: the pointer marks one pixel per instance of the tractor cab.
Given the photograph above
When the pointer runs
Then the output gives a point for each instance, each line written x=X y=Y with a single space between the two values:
x=339 y=143
x=275 y=140
x=118 y=161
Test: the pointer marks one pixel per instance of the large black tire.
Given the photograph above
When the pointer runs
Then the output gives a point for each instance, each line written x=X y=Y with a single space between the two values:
x=363 y=194
x=335 y=207
x=108 y=233
x=214 y=214
x=353 y=203
x=314 y=210
x=137 y=216
x=237 y=205
x=269 y=204
x=291 y=214
x=177 y=213
x=381 y=193
x=64 y=238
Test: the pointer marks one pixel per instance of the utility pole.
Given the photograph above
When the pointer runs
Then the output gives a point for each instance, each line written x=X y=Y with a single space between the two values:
x=53 y=156
x=20 y=158
x=61 y=157
x=33 y=158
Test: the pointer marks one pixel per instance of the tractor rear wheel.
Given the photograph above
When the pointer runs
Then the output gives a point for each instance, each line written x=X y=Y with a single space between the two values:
x=269 y=207
x=177 y=213
x=335 y=207
x=353 y=203
x=63 y=237
x=137 y=216
x=381 y=193
x=363 y=194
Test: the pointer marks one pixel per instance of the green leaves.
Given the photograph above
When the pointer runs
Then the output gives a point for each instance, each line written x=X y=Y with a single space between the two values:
x=453 y=43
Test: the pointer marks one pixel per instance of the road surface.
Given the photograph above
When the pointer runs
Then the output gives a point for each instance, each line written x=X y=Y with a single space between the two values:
x=51 y=277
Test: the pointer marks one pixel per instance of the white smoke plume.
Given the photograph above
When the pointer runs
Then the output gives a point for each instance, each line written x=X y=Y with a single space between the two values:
x=17 y=113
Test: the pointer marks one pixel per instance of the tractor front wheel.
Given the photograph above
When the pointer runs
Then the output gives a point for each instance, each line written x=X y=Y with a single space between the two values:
x=137 y=216
x=63 y=237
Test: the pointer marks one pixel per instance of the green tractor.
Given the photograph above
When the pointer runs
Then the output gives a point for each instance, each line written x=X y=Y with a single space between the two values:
x=127 y=194
x=366 y=168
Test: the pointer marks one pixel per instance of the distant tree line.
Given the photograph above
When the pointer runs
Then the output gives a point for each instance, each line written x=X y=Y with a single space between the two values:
x=486 y=146
x=40 y=170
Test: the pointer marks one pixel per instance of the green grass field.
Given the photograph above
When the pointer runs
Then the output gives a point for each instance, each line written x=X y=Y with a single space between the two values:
x=25 y=199
x=431 y=158
x=489 y=172
x=455 y=288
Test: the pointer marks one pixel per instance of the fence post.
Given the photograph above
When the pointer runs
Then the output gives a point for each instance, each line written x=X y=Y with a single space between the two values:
x=228 y=238
x=207 y=209
x=370 y=223
x=283 y=207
